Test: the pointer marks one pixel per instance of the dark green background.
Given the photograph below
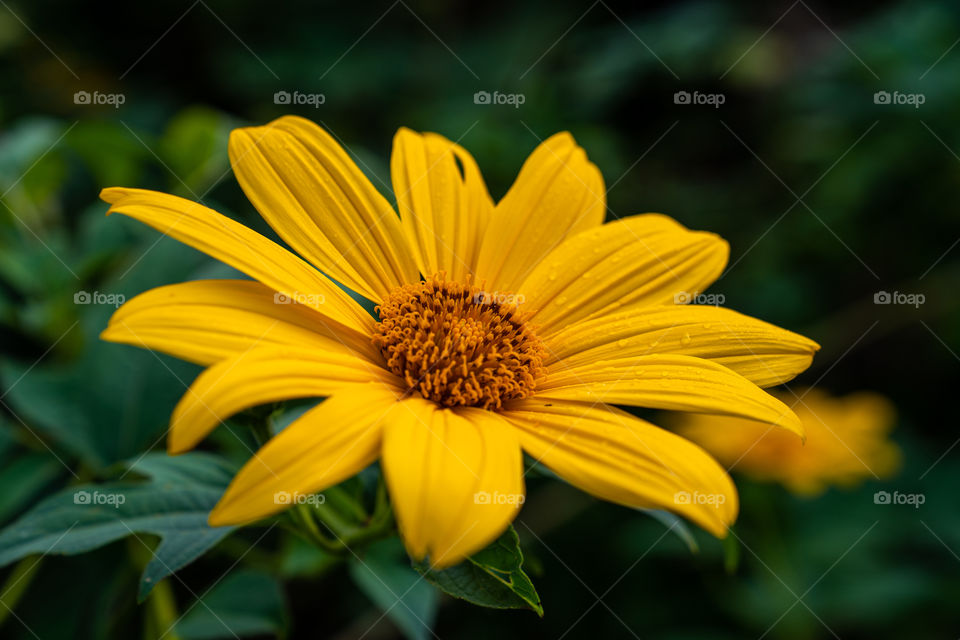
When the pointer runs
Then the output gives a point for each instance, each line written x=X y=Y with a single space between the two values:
x=878 y=188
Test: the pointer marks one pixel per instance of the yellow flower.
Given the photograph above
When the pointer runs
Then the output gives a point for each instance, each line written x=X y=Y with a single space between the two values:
x=847 y=442
x=502 y=328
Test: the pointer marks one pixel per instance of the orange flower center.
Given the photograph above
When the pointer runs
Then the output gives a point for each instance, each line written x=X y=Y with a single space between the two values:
x=457 y=345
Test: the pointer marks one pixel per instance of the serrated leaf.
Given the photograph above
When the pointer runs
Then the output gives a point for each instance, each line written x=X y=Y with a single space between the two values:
x=174 y=505
x=493 y=577
x=385 y=576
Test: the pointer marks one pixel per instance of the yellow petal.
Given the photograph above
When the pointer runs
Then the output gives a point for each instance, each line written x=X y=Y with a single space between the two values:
x=240 y=247
x=260 y=376
x=455 y=478
x=667 y=381
x=623 y=459
x=557 y=194
x=444 y=209
x=847 y=441
x=762 y=353
x=642 y=260
x=316 y=198
x=326 y=445
x=207 y=321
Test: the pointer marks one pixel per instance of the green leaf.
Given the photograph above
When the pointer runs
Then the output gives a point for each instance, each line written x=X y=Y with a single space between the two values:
x=109 y=151
x=174 y=505
x=302 y=559
x=385 y=576
x=493 y=577
x=22 y=144
x=113 y=401
x=189 y=469
x=30 y=473
x=194 y=147
x=245 y=603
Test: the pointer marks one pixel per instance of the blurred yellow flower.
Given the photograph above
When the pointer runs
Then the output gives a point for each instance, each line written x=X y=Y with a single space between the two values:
x=501 y=328
x=847 y=441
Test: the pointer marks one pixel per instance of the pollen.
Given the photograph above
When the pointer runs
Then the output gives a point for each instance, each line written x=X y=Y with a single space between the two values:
x=457 y=345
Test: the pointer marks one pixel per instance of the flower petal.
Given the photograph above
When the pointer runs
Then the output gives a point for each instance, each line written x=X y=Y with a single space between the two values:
x=207 y=321
x=444 y=210
x=642 y=260
x=557 y=194
x=847 y=441
x=328 y=444
x=240 y=247
x=455 y=478
x=623 y=459
x=313 y=195
x=668 y=381
x=762 y=353
x=260 y=376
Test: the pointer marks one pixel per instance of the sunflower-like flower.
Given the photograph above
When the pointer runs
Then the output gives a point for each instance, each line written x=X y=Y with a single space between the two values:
x=500 y=328
x=847 y=442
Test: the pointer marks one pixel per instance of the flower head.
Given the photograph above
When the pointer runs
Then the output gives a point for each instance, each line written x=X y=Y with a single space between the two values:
x=455 y=347
x=501 y=328
x=847 y=442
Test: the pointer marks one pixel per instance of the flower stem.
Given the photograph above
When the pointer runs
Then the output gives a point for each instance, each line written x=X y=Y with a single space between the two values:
x=17 y=583
x=301 y=515
x=341 y=521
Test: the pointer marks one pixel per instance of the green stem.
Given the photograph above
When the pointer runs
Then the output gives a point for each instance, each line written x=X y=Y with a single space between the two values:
x=382 y=508
x=381 y=523
x=261 y=431
x=347 y=534
x=342 y=501
x=332 y=519
x=340 y=514
x=162 y=614
x=17 y=583
x=308 y=528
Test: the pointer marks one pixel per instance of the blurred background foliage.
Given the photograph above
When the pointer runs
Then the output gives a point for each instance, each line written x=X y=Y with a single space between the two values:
x=825 y=196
